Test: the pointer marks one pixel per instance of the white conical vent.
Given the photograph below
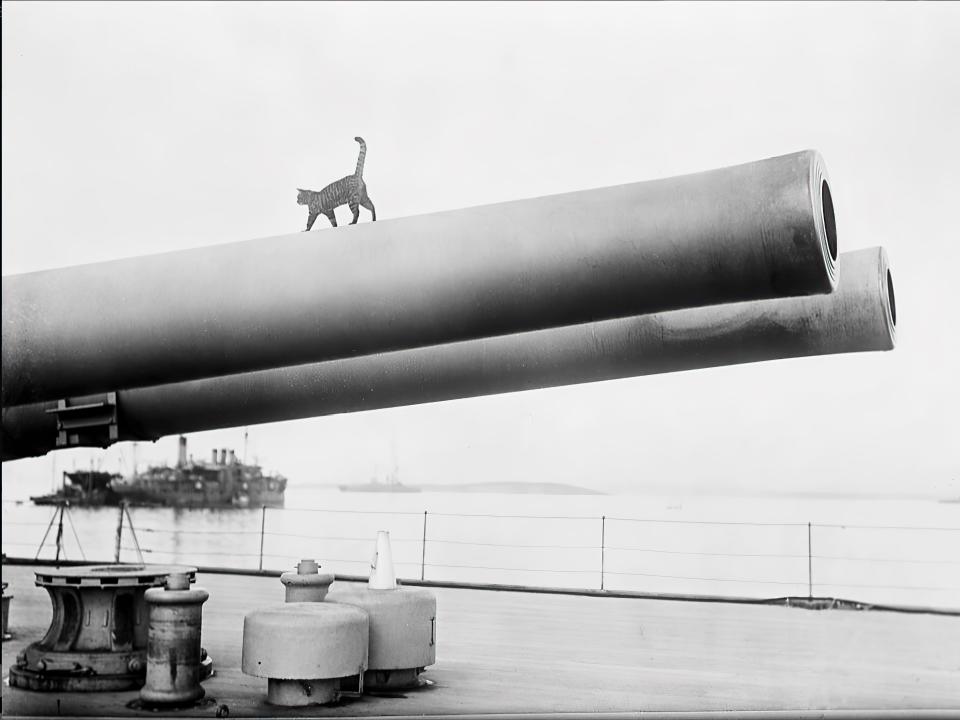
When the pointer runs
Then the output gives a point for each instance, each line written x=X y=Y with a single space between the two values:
x=381 y=566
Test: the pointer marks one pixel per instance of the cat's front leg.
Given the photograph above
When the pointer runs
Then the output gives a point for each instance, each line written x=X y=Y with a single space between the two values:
x=311 y=219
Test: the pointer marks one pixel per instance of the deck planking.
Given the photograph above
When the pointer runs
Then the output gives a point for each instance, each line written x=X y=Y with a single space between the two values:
x=516 y=652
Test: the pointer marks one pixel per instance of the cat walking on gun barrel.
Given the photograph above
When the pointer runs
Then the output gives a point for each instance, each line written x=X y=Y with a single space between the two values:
x=350 y=190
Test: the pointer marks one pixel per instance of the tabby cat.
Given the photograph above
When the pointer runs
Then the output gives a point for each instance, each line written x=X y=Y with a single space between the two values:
x=350 y=190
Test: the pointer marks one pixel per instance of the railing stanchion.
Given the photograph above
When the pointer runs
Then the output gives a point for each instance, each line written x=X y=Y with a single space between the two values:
x=423 y=548
x=603 y=546
x=116 y=552
x=809 y=562
x=53 y=519
x=77 y=537
x=60 y=544
x=133 y=534
x=263 y=525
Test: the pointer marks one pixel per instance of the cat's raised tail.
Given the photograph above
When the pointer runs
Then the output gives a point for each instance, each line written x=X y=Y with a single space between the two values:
x=361 y=157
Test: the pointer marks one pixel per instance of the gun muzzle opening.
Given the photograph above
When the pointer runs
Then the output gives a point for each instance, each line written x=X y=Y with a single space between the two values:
x=891 y=303
x=829 y=220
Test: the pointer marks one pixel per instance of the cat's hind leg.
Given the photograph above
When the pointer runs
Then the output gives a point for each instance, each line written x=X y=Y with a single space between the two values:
x=355 y=209
x=333 y=218
x=312 y=218
x=366 y=202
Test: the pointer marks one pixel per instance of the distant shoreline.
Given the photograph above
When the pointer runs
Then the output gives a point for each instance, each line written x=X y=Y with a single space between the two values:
x=546 y=488
x=531 y=488
x=539 y=488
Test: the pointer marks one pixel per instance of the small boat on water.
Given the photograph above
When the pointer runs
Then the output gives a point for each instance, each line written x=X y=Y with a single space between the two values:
x=221 y=482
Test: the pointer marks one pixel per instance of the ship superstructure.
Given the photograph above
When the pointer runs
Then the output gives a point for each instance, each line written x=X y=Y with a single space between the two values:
x=222 y=481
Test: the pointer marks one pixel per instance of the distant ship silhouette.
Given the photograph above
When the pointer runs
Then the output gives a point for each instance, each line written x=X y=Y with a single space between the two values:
x=390 y=484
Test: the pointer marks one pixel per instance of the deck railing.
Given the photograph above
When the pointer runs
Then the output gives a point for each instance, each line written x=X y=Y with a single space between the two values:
x=589 y=553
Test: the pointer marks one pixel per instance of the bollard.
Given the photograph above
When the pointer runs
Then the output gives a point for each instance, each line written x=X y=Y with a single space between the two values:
x=173 y=644
x=307 y=584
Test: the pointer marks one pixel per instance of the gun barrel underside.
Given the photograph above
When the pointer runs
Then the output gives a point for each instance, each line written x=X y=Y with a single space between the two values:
x=859 y=316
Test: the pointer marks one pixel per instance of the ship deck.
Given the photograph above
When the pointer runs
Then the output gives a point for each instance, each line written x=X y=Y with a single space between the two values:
x=517 y=652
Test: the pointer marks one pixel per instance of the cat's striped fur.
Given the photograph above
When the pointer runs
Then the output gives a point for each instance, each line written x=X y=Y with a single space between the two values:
x=350 y=190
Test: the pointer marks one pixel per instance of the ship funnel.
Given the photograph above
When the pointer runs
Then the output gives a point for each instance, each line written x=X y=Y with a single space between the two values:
x=381 y=566
x=223 y=456
x=213 y=457
x=182 y=453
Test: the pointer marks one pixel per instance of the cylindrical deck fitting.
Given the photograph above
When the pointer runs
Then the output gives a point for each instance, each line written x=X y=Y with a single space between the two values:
x=173 y=644
x=307 y=584
x=296 y=693
x=760 y=230
x=304 y=648
x=98 y=635
x=859 y=316
x=403 y=632
x=6 y=612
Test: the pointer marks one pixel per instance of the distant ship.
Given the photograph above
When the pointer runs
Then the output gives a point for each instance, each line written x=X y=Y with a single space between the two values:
x=83 y=488
x=221 y=482
x=390 y=484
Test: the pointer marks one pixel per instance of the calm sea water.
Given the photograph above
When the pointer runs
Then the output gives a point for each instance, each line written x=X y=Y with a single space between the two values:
x=881 y=551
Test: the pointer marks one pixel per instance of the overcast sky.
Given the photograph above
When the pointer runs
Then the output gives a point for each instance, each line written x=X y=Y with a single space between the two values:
x=136 y=128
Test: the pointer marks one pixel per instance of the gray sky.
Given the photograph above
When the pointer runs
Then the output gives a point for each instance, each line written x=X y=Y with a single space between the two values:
x=135 y=128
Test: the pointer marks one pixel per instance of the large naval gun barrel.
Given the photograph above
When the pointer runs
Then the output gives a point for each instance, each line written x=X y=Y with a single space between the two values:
x=761 y=230
x=859 y=316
